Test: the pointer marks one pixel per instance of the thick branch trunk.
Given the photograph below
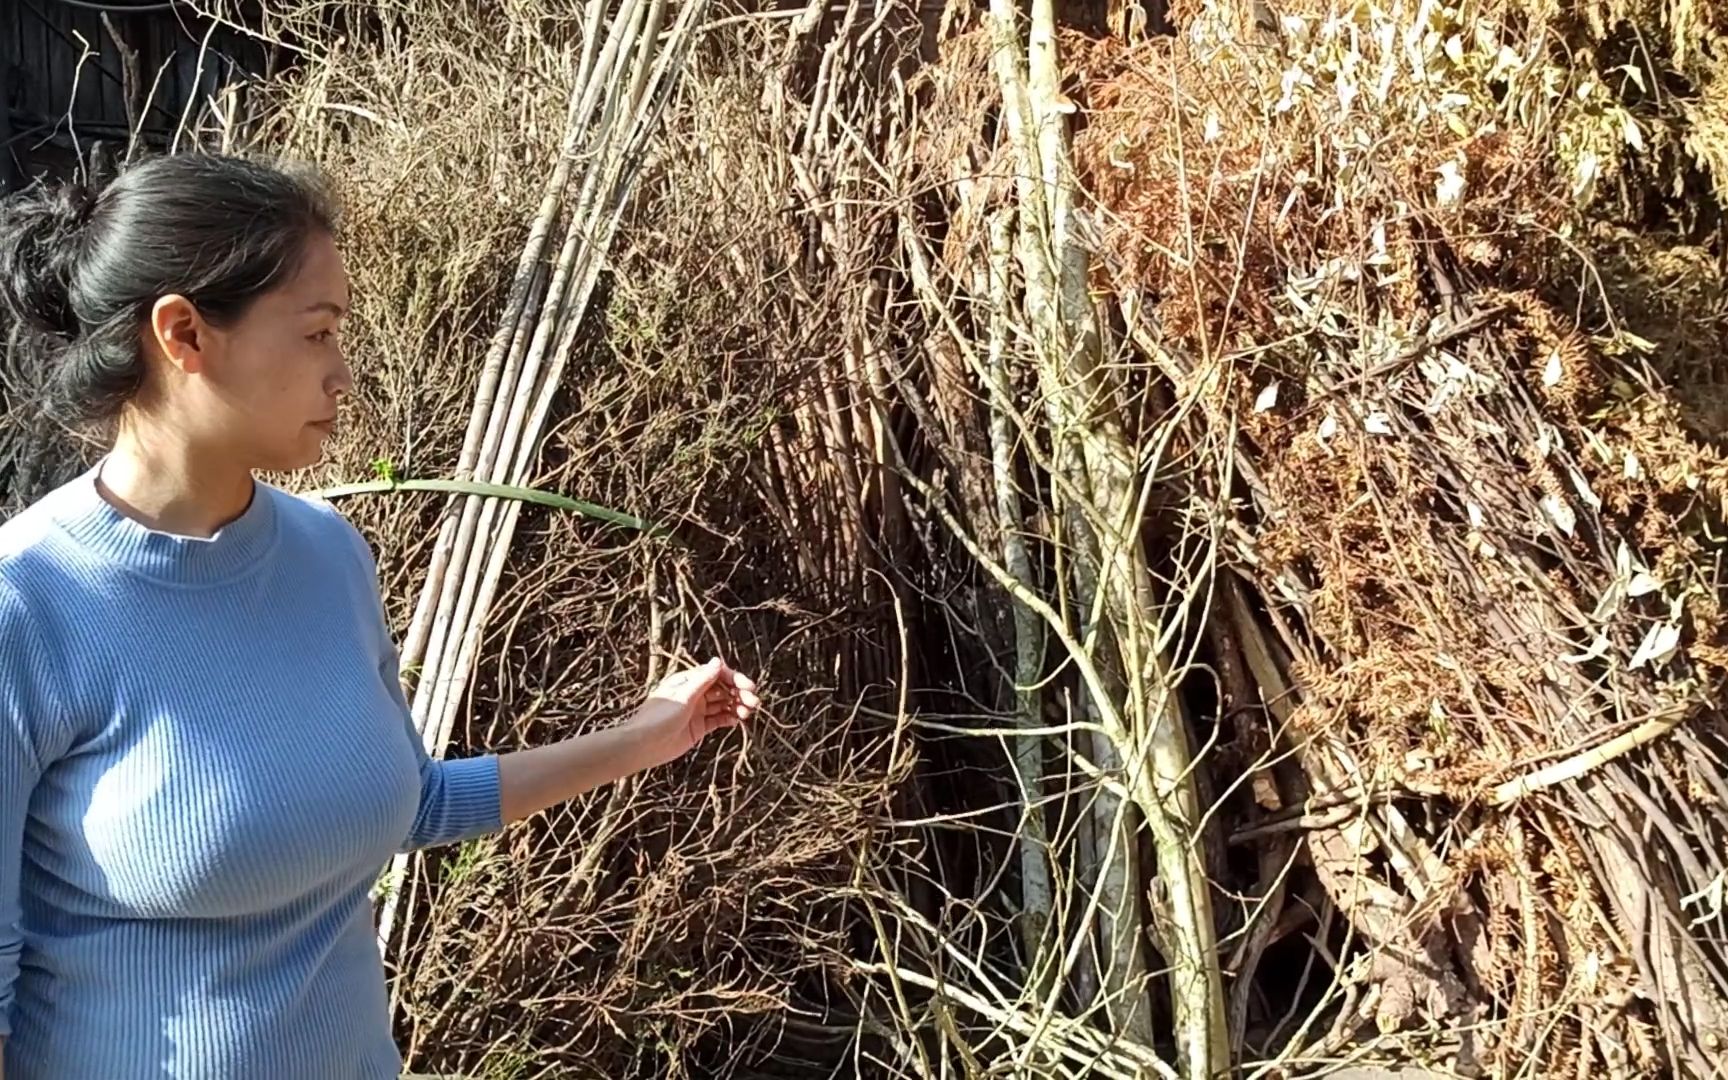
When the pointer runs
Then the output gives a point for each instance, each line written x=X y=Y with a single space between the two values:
x=1094 y=477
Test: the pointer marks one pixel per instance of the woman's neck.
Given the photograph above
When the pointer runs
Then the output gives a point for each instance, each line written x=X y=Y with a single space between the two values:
x=172 y=487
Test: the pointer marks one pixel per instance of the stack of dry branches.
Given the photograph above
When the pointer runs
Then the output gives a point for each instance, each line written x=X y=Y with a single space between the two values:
x=1228 y=522
x=1303 y=499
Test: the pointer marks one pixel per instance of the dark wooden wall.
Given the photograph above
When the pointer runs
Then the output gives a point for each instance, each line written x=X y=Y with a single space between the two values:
x=75 y=73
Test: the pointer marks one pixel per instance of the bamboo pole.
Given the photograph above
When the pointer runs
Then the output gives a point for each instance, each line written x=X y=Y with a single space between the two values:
x=593 y=223
x=635 y=66
x=455 y=606
x=516 y=308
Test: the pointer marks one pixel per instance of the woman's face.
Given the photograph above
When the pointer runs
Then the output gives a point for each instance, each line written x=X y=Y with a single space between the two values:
x=266 y=388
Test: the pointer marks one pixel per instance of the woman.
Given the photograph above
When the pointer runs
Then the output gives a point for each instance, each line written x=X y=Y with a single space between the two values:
x=205 y=757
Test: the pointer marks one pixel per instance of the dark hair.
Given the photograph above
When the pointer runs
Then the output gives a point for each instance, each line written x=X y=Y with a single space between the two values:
x=81 y=267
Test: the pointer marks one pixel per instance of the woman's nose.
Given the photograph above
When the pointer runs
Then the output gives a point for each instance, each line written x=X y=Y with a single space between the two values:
x=342 y=381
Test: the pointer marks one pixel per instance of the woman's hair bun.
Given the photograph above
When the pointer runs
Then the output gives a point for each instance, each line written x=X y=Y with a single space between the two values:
x=41 y=230
x=81 y=266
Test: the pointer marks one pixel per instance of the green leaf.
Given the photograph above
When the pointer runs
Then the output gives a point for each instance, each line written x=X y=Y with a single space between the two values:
x=389 y=484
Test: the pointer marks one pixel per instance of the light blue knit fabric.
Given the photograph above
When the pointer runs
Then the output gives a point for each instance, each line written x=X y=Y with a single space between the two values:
x=205 y=762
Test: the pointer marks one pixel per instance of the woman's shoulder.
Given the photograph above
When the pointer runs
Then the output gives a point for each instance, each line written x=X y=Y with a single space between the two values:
x=33 y=549
x=30 y=576
x=317 y=521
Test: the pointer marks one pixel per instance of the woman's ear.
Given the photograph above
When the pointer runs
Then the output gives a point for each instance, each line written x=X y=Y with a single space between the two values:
x=179 y=333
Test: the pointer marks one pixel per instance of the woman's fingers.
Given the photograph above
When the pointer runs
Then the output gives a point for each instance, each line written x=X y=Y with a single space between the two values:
x=743 y=705
x=721 y=692
x=725 y=694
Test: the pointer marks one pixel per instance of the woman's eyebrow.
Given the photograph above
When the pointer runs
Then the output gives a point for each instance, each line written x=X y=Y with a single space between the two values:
x=326 y=305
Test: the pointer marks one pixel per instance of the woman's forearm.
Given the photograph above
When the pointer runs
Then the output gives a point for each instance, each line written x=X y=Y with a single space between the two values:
x=532 y=780
x=681 y=711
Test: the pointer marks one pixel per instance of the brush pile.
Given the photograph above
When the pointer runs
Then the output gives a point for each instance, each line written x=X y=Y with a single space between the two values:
x=1230 y=523
x=1417 y=276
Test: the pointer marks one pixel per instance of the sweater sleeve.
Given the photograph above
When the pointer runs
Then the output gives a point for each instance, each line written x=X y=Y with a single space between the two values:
x=30 y=737
x=459 y=799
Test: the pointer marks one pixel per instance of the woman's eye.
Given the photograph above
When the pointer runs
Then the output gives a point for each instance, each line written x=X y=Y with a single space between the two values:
x=323 y=335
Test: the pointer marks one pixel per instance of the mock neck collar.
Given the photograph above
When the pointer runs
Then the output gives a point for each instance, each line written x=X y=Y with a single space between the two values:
x=237 y=548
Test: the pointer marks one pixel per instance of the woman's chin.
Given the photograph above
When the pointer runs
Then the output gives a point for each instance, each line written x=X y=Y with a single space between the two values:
x=296 y=458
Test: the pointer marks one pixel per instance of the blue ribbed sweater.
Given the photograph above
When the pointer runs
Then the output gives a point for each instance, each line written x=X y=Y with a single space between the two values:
x=205 y=761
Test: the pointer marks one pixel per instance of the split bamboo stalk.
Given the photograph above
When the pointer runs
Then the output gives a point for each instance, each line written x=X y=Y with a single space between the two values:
x=473 y=545
x=595 y=221
x=491 y=371
x=502 y=362
x=583 y=98
x=451 y=610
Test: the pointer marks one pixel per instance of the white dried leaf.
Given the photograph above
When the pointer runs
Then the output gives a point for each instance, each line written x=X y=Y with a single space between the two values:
x=1597 y=649
x=1475 y=513
x=1602 y=450
x=1450 y=187
x=1589 y=168
x=1553 y=371
x=1561 y=514
x=1708 y=900
x=1634 y=137
x=1291 y=80
x=1609 y=605
x=1268 y=397
x=1328 y=428
x=1585 y=491
x=1642 y=584
x=1213 y=129
x=1383 y=85
x=1632 y=470
x=1378 y=423
x=1659 y=644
